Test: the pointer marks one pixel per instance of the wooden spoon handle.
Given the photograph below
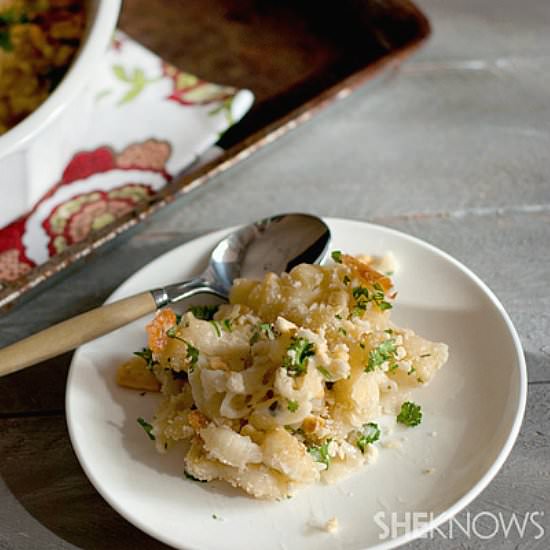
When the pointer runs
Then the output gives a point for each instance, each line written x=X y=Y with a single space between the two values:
x=73 y=332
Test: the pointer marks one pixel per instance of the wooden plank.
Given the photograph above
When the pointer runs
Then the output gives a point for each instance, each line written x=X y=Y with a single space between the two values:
x=46 y=488
x=40 y=389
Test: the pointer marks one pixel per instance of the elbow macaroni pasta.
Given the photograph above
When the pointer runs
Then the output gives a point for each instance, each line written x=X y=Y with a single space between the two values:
x=276 y=391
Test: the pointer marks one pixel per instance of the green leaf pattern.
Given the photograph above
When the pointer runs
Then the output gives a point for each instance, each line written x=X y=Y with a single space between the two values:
x=225 y=107
x=136 y=81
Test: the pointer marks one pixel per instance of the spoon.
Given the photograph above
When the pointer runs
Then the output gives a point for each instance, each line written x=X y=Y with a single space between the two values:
x=275 y=244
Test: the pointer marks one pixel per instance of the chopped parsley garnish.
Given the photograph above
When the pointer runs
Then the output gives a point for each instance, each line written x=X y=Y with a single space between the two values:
x=205 y=313
x=410 y=414
x=319 y=453
x=192 y=352
x=379 y=298
x=7 y=18
x=337 y=256
x=13 y=16
x=293 y=405
x=296 y=359
x=265 y=329
x=216 y=328
x=147 y=427
x=384 y=352
x=5 y=41
x=369 y=433
x=343 y=331
x=147 y=355
x=363 y=296
x=411 y=371
x=225 y=324
x=346 y=280
x=172 y=332
x=337 y=316
x=179 y=317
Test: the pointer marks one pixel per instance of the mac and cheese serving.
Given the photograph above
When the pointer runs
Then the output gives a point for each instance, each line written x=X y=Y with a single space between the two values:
x=283 y=386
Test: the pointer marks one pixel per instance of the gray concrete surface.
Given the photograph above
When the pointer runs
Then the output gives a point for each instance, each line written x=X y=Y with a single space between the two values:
x=455 y=149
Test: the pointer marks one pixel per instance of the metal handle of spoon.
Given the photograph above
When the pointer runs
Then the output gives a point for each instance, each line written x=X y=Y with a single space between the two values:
x=87 y=326
x=181 y=291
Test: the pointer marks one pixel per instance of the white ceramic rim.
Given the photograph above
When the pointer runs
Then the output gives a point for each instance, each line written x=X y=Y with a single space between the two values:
x=99 y=35
x=452 y=510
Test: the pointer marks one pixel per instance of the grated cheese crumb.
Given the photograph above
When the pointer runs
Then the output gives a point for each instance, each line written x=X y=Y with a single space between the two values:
x=332 y=526
x=392 y=444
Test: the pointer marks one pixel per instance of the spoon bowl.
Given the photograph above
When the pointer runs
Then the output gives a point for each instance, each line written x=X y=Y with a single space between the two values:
x=274 y=244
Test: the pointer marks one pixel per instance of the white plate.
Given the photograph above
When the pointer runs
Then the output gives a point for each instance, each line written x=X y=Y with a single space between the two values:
x=474 y=406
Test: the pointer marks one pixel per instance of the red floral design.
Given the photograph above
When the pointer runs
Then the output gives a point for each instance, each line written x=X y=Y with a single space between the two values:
x=95 y=215
x=150 y=155
x=87 y=163
x=11 y=267
x=187 y=89
x=13 y=262
x=72 y=221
